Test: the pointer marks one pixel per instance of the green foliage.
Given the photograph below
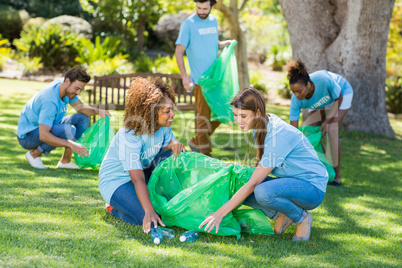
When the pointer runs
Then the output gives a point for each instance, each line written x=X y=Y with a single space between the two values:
x=126 y=19
x=168 y=65
x=394 y=49
x=284 y=90
x=11 y=21
x=266 y=32
x=30 y=65
x=57 y=48
x=278 y=57
x=5 y=51
x=48 y=8
x=116 y=65
x=257 y=81
x=145 y=64
x=394 y=94
x=91 y=52
x=33 y=22
x=165 y=65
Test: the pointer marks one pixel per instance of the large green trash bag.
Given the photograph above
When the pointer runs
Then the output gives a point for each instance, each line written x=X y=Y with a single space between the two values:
x=314 y=134
x=220 y=83
x=96 y=139
x=186 y=190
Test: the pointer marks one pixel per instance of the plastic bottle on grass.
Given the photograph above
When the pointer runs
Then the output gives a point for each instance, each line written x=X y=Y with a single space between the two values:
x=167 y=233
x=189 y=236
x=156 y=235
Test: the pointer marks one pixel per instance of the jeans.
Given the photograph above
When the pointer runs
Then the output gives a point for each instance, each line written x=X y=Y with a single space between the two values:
x=71 y=128
x=289 y=196
x=124 y=201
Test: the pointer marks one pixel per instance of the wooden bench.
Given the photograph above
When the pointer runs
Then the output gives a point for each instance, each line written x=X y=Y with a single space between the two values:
x=109 y=92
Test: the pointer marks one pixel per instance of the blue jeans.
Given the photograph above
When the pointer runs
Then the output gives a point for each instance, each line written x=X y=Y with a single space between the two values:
x=290 y=196
x=70 y=128
x=124 y=201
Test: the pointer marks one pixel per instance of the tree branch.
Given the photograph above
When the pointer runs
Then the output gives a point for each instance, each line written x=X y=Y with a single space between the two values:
x=227 y=13
x=243 y=5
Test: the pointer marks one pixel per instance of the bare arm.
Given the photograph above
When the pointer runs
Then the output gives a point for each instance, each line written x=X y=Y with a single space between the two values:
x=47 y=137
x=180 y=62
x=138 y=178
x=295 y=123
x=214 y=220
x=79 y=107
x=333 y=114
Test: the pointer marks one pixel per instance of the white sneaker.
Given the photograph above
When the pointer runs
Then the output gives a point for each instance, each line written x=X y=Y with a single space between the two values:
x=35 y=162
x=70 y=165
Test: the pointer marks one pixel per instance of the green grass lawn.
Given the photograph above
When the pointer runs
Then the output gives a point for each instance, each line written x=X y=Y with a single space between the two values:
x=57 y=217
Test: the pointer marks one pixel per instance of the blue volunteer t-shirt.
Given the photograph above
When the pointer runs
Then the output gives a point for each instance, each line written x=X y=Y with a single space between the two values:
x=129 y=152
x=45 y=108
x=328 y=87
x=291 y=154
x=200 y=37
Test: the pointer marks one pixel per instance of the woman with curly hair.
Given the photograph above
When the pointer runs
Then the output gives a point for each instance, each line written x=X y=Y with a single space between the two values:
x=328 y=96
x=138 y=147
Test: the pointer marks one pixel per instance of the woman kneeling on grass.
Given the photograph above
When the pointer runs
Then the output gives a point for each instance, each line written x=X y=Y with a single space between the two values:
x=284 y=151
x=138 y=147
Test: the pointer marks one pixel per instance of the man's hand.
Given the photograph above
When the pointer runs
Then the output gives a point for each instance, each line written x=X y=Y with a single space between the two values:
x=226 y=43
x=188 y=83
x=78 y=149
x=102 y=113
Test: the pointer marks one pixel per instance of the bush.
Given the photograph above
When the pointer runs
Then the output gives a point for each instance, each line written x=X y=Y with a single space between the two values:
x=394 y=94
x=30 y=66
x=257 y=81
x=284 y=90
x=168 y=65
x=5 y=51
x=115 y=65
x=57 y=48
x=90 y=52
x=11 y=21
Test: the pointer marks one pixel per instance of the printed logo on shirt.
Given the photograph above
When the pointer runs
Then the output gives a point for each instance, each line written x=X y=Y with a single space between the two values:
x=210 y=30
x=63 y=109
x=151 y=151
x=321 y=102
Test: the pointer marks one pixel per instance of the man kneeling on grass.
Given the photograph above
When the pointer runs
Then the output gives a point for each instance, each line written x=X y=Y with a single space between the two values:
x=42 y=125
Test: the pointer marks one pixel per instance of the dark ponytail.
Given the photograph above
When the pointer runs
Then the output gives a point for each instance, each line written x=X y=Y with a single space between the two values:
x=252 y=100
x=297 y=72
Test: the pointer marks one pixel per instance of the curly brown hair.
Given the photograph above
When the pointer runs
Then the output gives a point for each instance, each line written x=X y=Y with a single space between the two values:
x=297 y=72
x=143 y=102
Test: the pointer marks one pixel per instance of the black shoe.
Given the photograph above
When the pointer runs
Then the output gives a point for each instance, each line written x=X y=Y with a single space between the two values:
x=335 y=183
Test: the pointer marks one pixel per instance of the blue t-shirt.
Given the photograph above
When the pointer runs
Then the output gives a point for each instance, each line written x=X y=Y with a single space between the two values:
x=45 y=108
x=200 y=37
x=129 y=152
x=328 y=87
x=291 y=154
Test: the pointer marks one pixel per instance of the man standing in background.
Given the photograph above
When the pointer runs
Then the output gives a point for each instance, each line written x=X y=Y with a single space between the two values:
x=199 y=38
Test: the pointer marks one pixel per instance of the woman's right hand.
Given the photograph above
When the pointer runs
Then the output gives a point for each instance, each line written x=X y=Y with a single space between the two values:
x=151 y=217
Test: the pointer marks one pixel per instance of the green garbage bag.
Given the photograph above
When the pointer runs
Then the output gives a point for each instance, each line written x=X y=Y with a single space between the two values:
x=96 y=139
x=314 y=134
x=220 y=83
x=186 y=190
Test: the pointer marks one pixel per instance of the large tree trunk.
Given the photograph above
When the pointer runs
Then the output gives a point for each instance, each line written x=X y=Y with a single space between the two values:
x=231 y=15
x=348 y=37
